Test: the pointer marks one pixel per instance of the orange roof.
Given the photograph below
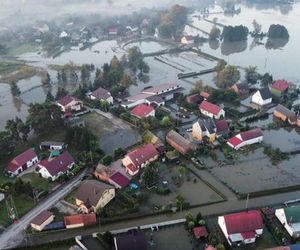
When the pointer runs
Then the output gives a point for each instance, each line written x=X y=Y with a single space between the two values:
x=86 y=219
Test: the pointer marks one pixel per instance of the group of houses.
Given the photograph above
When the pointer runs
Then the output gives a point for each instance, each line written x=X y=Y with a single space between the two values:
x=284 y=114
x=59 y=162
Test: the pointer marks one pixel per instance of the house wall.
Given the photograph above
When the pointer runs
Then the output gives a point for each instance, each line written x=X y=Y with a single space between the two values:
x=197 y=131
x=257 y=99
x=206 y=113
x=45 y=223
x=126 y=161
x=75 y=225
x=279 y=115
x=276 y=92
x=222 y=225
x=178 y=147
x=280 y=214
x=152 y=113
x=106 y=197
x=211 y=115
x=252 y=141
x=221 y=114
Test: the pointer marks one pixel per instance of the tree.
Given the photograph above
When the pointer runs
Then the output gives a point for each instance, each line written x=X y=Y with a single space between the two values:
x=49 y=97
x=166 y=122
x=150 y=174
x=61 y=92
x=198 y=87
x=235 y=33
x=44 y=117
x=220 y=65
x=180 y=201
x=214 y=33
x=14 y=89
x=266 y=79
x=228 y=76
x=104 y=105
x=277 y=31
x=251 y=74
x=47 y=79
x=220 y=247
x=119 y=152
x=126 y=80
x=106 y=160
x=181 y=171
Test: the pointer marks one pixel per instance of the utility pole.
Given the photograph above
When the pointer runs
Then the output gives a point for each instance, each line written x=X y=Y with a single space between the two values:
x=247 y=201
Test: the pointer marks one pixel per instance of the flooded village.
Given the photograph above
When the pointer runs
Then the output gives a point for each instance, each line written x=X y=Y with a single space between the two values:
x=163 y=126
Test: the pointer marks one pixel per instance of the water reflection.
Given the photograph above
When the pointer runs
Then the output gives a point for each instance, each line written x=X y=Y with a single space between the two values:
x=214 y=44
x=17 y=103
x=228 y=48
x=276 y=43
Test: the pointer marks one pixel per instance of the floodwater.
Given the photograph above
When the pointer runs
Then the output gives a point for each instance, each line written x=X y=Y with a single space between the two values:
x=268 y=58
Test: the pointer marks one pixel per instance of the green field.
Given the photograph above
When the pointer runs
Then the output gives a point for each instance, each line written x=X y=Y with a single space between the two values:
x=21 y=49
x=38 y=182
x=9 y=67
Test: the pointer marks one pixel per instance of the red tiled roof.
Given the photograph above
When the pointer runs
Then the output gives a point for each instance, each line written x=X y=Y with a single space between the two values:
x=210 y=107
x=234 y=141
x=141 y=110
x=41 y=217
x=120 y=179
x=58 y=164
x=280 y=85
x=142 y=154
x=210 y=247
x=132 y=168
x=222 y=126
x=200 y=232
x=251 y=134
x=248 y=235
x=86 y=219
x=204 y=94
x=243 y=222
x=67 y=99
x=21 y=159
x=101 y=94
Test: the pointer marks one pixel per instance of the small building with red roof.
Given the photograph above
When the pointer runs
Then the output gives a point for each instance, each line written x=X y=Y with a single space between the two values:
x=80 y=220
x=241 y=228
x=57 y=166
x=139 y=158
x=70 y=103
x=143 y=111
x=211 y=110
x=279 y=87
x=41 y=220
x=200 y=232
x=21 y=162
x=246 y=138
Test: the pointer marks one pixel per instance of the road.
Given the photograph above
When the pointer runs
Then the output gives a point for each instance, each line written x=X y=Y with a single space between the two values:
x=232 y=205
x=14 y=234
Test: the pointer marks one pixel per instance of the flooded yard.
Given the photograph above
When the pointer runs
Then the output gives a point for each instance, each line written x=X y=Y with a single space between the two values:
x=256 y=173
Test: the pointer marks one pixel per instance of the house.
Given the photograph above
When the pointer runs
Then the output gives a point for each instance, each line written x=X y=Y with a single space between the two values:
x=279 y=88
x=289 y=217
x=52 y=145
x=187 y=40
x=241 y=228
x=132 y=240
x=113 y=31
x=194 y=99
x=155 y=101
x=111 y=176
x=80 y=220
x=21 y=162
x=241 y=88
x=262 y=97
x=166 y=91
x=200 y=232
x=246 y=138
x=41 y=220
x=102 y=94
x=139 y=158
x=143 y=111
x=222 y=127
x=204 y=129
x=70 y=103
x=211 y=110
x=93 y=195
x=57 y=166
x=285 y=114
x=178 y=142
x=205 y=95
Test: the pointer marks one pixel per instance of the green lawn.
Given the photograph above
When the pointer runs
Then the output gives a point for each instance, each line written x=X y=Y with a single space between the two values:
x=23 y=205
x=71 y=196
x=9 y=67
x=38 y=182
x=23 y=48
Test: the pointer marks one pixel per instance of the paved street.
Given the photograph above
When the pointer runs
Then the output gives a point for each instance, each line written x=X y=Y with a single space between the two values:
x=14 y=234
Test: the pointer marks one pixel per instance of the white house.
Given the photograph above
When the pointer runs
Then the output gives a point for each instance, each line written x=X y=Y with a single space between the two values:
x=52 y=145
x=289 y=217
x=93 y=194
x=241 y=228
x=246 y=138
x=139 y=158
x=204 y=128
x=21 y=162
x=70 y=103
x=262 y=97
x=57 y=166
x=102 y=94
x=211 y=110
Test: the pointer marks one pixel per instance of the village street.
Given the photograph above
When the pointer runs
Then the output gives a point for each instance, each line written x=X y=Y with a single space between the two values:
x=14 y=234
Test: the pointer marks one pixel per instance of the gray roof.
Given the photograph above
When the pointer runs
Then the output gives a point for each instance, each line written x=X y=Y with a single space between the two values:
x=207 y=124
x=101 y=94
x=155 y=98
x=265 y=93
x=52 y=143
x=285 y=111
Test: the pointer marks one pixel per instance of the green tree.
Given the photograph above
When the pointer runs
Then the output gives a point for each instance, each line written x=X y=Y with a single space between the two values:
x=235 y=33
x=277 y=31
x=15 y=91
x=220 y=65
x=61 y=92
x=166 y=122
x=180 y=201
x=106 y=160
x=266 y=79
x=198 y=87
x=47 y=79
x=119 y=153
x=181 y=171
x=126 y=80
x=220 y=247
x=228 y=76
x=251 y=74
x=49 y=97
x=151 y=174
